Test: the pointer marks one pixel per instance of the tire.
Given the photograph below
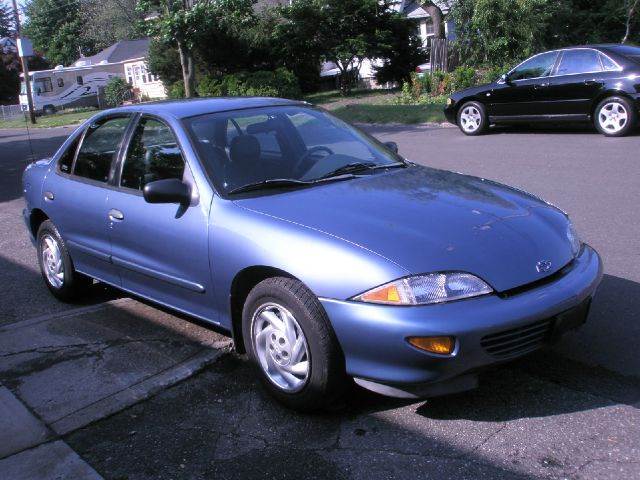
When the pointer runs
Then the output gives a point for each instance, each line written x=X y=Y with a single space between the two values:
x=615 y=117
x=323 y=382
x=472 y=118
x=59 y=275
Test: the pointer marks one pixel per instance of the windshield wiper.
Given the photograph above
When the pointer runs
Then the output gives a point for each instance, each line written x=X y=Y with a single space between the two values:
x=270 y=183
x=360 y=167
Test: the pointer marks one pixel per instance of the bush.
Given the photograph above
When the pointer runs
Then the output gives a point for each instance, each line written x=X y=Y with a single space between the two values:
x=176 y=90
x=491 y=74
x=464 y=77
x=117 y=92
x=263 y=83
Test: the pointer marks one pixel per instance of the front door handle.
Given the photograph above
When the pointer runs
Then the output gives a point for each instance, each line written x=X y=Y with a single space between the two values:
x=541 y=85
x=115 y=215
x=49 y=196
x=590 y=82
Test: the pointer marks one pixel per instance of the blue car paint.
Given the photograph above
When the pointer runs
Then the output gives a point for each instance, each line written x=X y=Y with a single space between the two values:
x=340 y=239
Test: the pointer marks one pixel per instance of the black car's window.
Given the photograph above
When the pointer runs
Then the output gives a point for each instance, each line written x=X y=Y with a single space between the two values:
x=99 y=148
x=66 y=159
x=153 y=154
x=538 y=66
x=579 y=61
x=608 y=64
x=281 y=142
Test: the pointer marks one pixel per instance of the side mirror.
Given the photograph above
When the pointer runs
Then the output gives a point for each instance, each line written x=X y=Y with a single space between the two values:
x=393 y=146
x=504 y=78
x=170 y=190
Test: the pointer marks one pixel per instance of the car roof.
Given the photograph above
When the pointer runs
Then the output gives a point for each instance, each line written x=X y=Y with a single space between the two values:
x=199 y=106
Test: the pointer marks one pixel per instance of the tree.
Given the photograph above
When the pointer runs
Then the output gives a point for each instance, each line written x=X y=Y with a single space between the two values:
x=630 y=7
x=399 y=47
x=55 y=29
x=107 y=21
x=6 y=21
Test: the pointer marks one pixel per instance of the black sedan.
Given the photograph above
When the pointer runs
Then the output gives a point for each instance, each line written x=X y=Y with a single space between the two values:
x=596 y=83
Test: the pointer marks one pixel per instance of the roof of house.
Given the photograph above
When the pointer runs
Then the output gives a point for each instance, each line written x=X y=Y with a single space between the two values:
x=118 y=52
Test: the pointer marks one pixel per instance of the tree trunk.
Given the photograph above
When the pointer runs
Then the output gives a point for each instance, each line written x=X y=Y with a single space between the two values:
x=188 y=75
x=436 y=16
x=631 y=10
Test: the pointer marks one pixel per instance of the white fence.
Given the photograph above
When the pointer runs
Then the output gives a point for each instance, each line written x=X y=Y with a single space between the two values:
x=10 y=112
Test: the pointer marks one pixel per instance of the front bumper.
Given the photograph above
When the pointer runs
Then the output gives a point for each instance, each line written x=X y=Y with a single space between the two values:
x=450 y=113
x=373 y=337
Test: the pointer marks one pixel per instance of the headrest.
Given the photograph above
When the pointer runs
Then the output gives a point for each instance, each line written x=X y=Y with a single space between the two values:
x=244 y=149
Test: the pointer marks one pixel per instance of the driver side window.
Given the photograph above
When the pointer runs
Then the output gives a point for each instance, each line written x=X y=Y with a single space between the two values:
x=153 y=154
x=538 y=66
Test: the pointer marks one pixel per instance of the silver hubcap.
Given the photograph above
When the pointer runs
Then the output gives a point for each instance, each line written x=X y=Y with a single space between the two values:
x=470 y=119
x=281 y=347
x=52 y=261
x=613 y=117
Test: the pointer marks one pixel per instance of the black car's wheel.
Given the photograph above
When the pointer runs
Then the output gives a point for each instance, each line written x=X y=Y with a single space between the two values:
x=472 y=118
x=288 y=335
x=49 y=109
x=56 y=266
x=614 y=117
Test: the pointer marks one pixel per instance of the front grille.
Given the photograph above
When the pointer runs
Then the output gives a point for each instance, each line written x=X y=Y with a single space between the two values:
x=517 y=341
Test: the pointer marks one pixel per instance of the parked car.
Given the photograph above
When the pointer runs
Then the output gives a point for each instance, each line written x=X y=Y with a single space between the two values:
x=596 y=83
x=321 y=251
x=422 y=69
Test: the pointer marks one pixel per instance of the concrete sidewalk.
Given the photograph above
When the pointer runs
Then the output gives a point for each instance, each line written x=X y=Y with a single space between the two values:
x=63 y=371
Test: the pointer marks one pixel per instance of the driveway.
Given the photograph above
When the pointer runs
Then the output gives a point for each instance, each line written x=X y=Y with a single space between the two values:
x=119 y=389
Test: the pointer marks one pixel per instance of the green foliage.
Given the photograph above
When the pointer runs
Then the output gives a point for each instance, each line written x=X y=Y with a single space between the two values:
x=55 y=29
x=176 y=90
x=117 y=91
x=399 y=46
x=278 y=83
x=105 y=22
x=463 y=77
x=9 y=83
x=6 y=20
x=164 y=61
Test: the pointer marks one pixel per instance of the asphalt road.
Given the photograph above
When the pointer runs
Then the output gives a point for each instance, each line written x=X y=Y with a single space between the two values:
x=567 y=412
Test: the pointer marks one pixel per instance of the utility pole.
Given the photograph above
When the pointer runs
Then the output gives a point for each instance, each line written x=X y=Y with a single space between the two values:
x=25 y=66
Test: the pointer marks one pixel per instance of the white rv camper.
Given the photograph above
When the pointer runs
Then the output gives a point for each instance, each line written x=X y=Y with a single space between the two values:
x=68 y=87
x=77 y=85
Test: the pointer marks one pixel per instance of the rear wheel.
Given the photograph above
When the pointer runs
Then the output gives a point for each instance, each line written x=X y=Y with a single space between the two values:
x=56 y=266
x=288 y=336
x=472 y=118
x=615 y=117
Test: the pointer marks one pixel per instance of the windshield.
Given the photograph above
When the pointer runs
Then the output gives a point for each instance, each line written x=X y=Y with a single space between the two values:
x=297 y=143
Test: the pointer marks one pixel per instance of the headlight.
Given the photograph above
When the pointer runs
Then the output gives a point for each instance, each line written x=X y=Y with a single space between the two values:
x=574 y=239
x=426 y=289
x=449 y=101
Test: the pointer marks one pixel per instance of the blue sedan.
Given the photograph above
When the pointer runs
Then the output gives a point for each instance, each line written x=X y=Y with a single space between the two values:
x=321 y=251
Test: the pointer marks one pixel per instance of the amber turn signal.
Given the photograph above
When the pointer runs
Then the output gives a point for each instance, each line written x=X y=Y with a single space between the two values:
x=439 y=345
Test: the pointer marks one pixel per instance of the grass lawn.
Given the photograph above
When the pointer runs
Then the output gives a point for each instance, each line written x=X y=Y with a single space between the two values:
x=376 y=106
x=55 y=120
x=389 y=113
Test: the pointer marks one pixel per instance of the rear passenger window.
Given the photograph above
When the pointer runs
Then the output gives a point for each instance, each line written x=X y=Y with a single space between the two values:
x=99 y=148
x=579 y=61
x=153 y=154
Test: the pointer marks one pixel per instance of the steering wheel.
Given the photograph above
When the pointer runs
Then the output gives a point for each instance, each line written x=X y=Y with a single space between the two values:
x=302 y=166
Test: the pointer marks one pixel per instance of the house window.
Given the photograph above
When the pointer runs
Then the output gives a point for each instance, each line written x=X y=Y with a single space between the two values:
x=430 y=30
x=79 y=80
x=60 y=82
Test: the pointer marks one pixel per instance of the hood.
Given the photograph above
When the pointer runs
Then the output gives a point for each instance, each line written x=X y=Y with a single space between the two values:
x=428 y=220
x=472 y=91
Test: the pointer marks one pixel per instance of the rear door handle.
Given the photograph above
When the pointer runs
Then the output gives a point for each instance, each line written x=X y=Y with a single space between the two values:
x=115 y=215
x=541 y=85
x=591 y=82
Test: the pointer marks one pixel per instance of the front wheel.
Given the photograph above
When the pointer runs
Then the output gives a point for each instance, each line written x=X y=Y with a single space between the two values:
x=472 y=118
x=615 y=117
x=288 y=335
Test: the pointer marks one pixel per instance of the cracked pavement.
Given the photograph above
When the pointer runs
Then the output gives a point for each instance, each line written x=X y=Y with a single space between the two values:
x=118 y=389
